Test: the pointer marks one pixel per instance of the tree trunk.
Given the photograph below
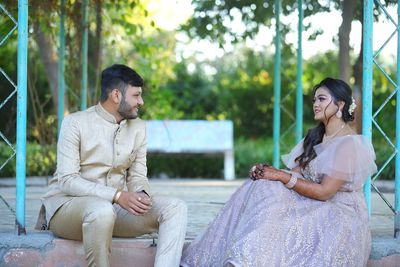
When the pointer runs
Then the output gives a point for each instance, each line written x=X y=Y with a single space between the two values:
x=49 y=59
x=95 y=56
x=348 y=11
x=358 y=78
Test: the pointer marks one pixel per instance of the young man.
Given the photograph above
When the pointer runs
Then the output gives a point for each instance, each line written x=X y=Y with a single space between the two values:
x=100 y=188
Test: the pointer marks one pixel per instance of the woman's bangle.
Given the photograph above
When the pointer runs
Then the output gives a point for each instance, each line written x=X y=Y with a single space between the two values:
x=117 y=196
x=292 y=182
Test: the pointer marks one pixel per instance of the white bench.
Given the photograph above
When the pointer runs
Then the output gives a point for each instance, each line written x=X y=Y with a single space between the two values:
x=193 y=136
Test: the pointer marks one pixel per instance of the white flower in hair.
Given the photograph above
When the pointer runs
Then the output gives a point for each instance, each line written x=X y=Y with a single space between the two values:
x=353 y=106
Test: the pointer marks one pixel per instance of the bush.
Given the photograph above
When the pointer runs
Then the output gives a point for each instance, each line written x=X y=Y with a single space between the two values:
x=247 y=152
x=40 y=161
x=251 y=151
x=383 y=152
x=185 y=165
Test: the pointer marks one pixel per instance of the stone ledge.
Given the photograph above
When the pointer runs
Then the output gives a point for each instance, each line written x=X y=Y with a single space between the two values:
x=388 y=261
x=385 y=252
x=383 y=246
x=42 y=248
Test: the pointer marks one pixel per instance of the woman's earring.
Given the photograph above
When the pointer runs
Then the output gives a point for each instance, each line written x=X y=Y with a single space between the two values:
x=339 y=114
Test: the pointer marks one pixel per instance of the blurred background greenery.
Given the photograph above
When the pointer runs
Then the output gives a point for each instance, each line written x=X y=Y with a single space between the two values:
x=230 y=79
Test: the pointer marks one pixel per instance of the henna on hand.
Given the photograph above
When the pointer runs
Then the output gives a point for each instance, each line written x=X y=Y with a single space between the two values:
x=273 y=174
x=257 y=171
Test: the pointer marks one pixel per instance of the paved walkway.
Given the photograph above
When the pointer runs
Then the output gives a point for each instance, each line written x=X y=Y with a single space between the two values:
x=204 y=198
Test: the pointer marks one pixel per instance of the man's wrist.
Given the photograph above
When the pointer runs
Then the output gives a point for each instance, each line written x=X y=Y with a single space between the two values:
x=144 y=192
x=117 y=196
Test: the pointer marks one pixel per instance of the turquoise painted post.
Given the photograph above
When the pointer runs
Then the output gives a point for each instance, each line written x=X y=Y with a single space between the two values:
x=299 y=87
x=367 y=85
x=61 y=68
x=277 y=84
x=84 y=54
x=21 y=115
x=397 y=168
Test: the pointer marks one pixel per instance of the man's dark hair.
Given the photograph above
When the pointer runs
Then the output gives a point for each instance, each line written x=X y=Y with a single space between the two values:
x=118 y=76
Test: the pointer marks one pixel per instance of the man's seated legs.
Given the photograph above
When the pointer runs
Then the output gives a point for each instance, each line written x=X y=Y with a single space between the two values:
x=90 y=219
x=95 y=220
x=169 y=216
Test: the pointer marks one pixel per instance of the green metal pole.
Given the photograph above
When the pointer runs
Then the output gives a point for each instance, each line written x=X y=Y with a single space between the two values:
x=367 y=85
x=21 y=115
x=397 y=169
x=84 y=54
x=277 y=85
x=299 y=88
x=61 y=67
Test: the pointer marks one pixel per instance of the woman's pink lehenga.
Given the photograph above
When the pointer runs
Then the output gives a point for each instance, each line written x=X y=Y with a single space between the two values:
x=266 y=224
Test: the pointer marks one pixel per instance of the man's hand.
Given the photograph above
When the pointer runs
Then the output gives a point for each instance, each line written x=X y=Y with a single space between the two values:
x=136 y=203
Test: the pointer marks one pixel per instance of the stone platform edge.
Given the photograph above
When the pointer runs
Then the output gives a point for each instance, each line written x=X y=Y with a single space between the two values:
x=42 y=248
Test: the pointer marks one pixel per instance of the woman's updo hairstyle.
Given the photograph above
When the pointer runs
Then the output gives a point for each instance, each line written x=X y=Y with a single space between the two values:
x=340 y=91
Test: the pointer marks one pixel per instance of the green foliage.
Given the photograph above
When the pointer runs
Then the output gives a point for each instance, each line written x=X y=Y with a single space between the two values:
x=238 y=86
x=383 y=151
x=251 y=151
x=185 y=165
x=240 y=89
x=241 y=83
x=193 y=93
x=132 y=38
x=317 y=68
x=247 y=153
x=159 y=105
x=8 y=55
x=214 y=20
x=40 y=161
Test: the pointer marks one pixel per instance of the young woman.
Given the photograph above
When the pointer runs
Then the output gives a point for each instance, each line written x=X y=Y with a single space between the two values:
x=312 y=215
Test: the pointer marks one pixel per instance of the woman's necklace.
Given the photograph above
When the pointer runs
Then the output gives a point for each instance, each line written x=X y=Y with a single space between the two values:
x=328 y=137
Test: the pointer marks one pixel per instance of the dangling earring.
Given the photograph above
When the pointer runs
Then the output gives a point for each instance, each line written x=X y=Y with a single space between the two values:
x=339 y=114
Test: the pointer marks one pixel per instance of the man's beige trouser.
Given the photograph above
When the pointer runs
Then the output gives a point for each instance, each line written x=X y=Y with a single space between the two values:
x=95 y=221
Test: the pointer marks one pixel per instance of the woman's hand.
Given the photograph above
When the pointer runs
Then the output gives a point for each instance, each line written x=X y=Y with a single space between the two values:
x=270 y=173
x=267 y=172
x=256 y=172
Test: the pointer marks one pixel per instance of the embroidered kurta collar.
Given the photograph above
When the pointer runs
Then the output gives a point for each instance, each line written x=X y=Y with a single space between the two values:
x=107 y=115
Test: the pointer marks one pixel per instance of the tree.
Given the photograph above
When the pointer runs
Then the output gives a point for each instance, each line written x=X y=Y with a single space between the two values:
x=217 y=20
x=213 y=20
x=121 y=31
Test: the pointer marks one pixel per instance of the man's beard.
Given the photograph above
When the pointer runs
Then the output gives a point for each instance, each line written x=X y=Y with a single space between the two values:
x=126 y=110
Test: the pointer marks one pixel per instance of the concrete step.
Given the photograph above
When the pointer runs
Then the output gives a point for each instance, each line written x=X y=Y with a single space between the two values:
x=385 y=252
x=42 y=248
x=388 y=261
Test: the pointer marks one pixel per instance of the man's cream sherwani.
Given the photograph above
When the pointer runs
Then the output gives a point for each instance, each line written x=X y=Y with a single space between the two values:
x=96 y=156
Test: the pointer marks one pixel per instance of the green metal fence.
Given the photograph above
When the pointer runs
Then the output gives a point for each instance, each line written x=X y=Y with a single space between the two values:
x=369 y=118
x=21 y=90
